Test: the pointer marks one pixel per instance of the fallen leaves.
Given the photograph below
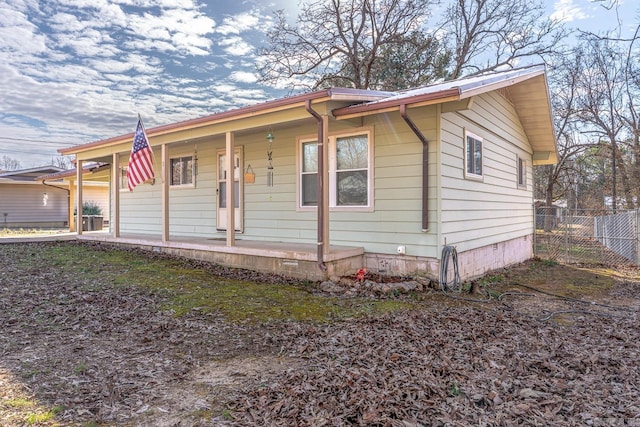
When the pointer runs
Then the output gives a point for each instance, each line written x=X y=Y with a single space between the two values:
x=112 y=354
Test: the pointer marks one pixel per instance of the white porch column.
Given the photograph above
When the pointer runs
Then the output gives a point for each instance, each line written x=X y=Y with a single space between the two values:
x=231 y=190
x=71 y=204
x=79 y=198
x=114 y=221
x=165 y=193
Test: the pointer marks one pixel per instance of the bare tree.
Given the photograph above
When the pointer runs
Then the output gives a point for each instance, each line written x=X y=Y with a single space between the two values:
x=352 y=43
x=61 y=162
x=9 y=164
x=491 y=34
x=561 y=180
x=602 y=102
x=631 y=117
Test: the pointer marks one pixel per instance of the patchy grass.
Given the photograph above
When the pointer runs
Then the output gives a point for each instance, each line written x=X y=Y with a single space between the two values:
x=17 y=232
x=187 y=288
x=564 y=280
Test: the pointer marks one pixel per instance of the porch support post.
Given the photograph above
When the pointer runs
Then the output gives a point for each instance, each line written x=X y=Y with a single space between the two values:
x=114 y=221
x=165 y=193
x=79 y=198
x=231 y=189
x=71 y=203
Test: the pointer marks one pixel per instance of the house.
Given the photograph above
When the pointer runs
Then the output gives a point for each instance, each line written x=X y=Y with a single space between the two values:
x=395 y=178
x=95 y=190
x=27 y=200
x=24 y=202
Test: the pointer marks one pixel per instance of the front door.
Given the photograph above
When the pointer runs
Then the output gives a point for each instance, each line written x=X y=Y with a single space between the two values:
x=224 y=181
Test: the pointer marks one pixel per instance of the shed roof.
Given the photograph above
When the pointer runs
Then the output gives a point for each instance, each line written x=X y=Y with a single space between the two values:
x=29 y=174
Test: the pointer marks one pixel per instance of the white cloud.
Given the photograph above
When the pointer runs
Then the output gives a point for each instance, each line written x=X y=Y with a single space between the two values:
x=242 y=22
x=236 y=46
x=80 y=70
x=243 y=77
x=567 y=11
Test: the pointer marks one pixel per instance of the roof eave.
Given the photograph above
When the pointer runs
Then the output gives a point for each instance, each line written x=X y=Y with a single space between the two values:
x=447 y=95
x=339 y=94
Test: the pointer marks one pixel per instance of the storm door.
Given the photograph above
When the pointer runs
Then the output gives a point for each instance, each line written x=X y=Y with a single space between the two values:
x=224 y=180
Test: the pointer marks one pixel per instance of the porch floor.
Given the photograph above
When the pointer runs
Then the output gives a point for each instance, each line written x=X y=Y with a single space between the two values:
x=295 y=259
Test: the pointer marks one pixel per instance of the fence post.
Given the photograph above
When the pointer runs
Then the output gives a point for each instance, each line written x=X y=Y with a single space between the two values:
x=637 y=235
x=567 y=223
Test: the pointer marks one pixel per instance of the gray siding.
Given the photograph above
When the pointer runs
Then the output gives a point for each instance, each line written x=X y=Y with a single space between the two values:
x=24 y=205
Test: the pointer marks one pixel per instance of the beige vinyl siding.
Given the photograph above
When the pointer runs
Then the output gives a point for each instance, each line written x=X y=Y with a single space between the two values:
x=24 y=205
x=98 y=193
x=480 y=213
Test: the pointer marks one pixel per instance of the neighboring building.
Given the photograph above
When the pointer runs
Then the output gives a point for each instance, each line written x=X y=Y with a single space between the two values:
x=95 y=189
x=27 y=201
x=398 y=177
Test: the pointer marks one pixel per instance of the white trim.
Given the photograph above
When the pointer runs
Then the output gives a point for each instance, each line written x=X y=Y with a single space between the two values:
x=521 y=185
x=332 y=171
x=467 y=174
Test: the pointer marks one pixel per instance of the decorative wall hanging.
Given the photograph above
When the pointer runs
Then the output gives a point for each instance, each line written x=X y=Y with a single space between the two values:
x=249 y=176
x=270 y=139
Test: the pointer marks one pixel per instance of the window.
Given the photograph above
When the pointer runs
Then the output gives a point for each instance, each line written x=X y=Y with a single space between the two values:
x=124 y=182
x=522 y=173
x=473 y=155
x=182 y=171
x=349 y=171
x=309 y=174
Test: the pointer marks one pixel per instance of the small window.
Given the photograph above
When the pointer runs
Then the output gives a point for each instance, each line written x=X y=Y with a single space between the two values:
x=309 y=174
x=124 y=182
x=522 y=173
x=182 y=171
x=473 y=155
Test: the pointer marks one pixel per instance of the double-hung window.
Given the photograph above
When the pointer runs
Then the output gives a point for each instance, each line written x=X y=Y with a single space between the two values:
x=182 y=171
x=473 y=155
x=349 y=171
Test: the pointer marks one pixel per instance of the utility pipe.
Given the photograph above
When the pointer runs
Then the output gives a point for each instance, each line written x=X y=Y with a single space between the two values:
x=425 y=165
x=320 y=186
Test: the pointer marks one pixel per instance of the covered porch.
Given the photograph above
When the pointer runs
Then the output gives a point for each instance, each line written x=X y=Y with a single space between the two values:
x=297 y=260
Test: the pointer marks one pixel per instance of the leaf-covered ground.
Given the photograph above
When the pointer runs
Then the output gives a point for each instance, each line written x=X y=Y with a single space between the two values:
x=91 y=335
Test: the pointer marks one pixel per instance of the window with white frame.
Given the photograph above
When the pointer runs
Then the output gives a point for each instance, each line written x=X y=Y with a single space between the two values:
x=522 y=173
x=473 y=155
x=182 y=171
x=124 y=181
x=349 y=170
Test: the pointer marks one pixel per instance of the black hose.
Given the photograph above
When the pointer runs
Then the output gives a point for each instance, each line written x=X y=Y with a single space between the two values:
x=449 y=252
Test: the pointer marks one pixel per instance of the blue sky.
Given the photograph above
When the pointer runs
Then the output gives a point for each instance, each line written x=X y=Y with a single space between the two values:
x=76 y=71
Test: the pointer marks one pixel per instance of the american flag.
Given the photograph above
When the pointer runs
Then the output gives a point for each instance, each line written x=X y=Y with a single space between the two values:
x=140 y=166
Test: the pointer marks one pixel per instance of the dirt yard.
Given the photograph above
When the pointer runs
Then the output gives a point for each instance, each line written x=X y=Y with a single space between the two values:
x=85 y=341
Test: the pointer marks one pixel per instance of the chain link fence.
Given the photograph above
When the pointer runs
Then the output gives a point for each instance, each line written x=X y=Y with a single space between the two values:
x=587 y=236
